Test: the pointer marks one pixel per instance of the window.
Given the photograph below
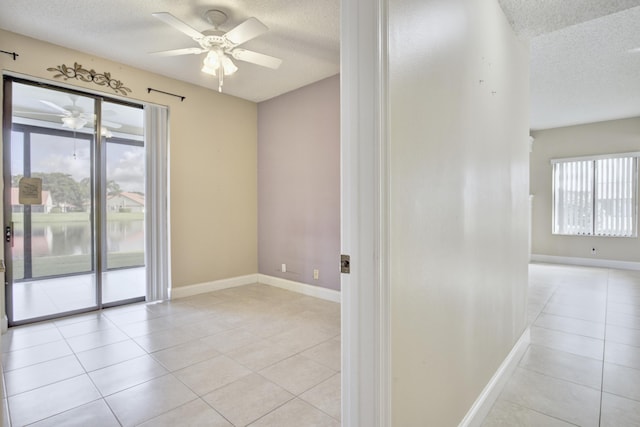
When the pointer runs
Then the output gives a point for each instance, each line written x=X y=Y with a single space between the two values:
x=596 y=196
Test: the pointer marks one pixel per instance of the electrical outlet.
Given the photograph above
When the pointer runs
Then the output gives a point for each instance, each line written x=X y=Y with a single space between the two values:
x=593 y=251
x=316 y=274
x=283 y=268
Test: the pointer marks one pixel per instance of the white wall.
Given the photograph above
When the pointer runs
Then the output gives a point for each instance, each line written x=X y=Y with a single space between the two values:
x=615 y=136
x=458 y=102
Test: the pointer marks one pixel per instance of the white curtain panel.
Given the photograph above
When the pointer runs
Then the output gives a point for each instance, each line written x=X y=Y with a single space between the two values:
x=157 y=256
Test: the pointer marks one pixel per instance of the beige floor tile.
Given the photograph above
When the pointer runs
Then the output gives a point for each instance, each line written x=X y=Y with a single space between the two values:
x=622 y=381
x=260 y=354
x=165 y=339
x=148 y=400
x=571 y=343
x=185 y=355
x=619 y=412
x=297 y=374
x=110 y=354
x=327 y=353
x=37 y=354
x=507 y=414
x=45 y=373
x=5 y=413
x=589 y=313
x=300 y=338
x=624 y=320
x=96 y=324
x=560 y=399
x=233 y=339
x=18 y=339
x=621 y=354
x=325 y=396
x=96 y=339
x=571 y=325
x=121 y=376
x=296 y=413
x=94 y=414
x=194 y=414
x=146 y=327
x=247 y=399
x=563 y=365
x=44 y=402
x=622 y=335
x=211 y=374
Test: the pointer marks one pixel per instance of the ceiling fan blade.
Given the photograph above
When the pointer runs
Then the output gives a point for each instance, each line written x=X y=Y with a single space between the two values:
x=37 y=113
x=169 y=19
x=246 y=31
x=256 y=58
x=176 y=52
x=56 y=107
x=112 y=125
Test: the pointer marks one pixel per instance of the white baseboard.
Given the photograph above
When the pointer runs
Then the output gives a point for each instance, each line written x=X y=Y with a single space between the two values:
x=586 y=262
x=301 y=288
x=492 y=390
x=216 y=285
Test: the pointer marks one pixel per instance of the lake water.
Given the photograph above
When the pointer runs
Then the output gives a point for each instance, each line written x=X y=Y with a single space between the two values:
x=65 y=247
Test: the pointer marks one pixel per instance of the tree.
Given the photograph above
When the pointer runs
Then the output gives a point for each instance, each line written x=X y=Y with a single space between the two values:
x=113 y=188
x=65 y=191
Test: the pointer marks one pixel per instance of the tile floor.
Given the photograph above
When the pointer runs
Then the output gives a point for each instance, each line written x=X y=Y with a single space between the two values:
x=583 y=364
x=252 y=355
x=45 y=297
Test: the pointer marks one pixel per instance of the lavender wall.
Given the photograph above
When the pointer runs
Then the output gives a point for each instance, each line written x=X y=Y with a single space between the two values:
x=299 y=184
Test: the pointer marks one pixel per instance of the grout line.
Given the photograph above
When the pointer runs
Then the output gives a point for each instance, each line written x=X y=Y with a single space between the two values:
x=604 y=346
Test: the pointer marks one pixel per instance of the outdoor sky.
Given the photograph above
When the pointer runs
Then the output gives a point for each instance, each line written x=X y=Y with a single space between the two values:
x=125 y=163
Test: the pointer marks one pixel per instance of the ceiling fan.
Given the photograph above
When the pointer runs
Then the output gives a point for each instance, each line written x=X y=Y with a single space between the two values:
x=74 y=117
x=221 y=47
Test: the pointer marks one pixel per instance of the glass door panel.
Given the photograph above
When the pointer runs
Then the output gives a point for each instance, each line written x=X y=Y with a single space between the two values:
x=124 y=207
x=51 y=257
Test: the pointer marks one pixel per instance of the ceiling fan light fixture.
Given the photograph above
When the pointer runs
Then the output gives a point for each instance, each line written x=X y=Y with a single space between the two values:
x=74 y=123
x=209 y=70
x=228 y=66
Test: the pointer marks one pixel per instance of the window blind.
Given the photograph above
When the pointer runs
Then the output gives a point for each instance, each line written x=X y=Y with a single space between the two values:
x=596 y=196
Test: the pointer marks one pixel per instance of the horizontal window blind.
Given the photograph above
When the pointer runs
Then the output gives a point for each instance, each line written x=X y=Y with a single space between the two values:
x=596 y=196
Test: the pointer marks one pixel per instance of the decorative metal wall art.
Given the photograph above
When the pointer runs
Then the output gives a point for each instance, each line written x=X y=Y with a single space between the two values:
x=82 y=74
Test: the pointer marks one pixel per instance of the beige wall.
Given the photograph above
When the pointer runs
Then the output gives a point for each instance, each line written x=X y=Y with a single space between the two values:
x=459 y=205
x=213 y=161
x=616 y=136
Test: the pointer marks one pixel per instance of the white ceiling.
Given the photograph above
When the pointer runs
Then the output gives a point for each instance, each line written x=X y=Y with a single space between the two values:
x=305 y=34
x=581 y=67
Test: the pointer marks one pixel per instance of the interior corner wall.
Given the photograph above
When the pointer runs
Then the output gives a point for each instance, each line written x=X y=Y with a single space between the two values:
x=459 y=137
x=614 y=136
x=299 y=184
x=213 y=159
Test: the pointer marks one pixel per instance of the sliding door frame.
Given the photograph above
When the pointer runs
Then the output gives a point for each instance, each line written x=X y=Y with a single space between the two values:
x=98 y=193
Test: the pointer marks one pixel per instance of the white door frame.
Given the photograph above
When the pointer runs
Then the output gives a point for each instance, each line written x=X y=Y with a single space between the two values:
x=364 y=214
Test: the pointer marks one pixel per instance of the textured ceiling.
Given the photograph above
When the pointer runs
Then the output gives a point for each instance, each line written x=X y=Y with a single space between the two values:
x=531 y=18
x=581 y=67
x=305 y=34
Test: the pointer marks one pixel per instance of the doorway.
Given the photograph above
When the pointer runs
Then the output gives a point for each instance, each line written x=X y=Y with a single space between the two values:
x=74 y=197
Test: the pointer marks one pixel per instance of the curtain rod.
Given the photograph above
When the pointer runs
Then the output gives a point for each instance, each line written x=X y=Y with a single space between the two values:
x=182 y=98
x=14 y=54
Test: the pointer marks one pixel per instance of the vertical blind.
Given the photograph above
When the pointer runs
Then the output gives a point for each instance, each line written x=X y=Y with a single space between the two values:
x=595 y=196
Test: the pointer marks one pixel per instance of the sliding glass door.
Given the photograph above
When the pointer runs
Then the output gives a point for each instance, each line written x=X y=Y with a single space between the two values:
x=74 y=202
